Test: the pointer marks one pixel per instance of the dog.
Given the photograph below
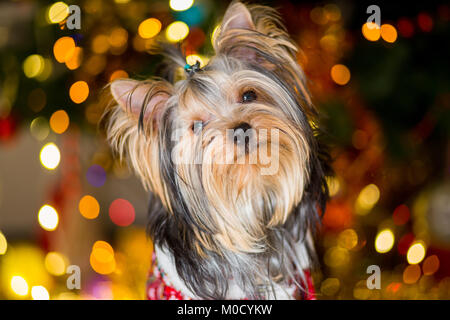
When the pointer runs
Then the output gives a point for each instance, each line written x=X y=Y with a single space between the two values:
x=231 y=156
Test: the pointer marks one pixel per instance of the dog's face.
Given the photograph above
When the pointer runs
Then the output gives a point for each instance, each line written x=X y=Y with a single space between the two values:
x=229 y=150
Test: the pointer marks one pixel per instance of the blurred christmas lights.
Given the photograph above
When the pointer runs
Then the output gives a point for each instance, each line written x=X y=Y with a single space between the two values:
x=50 y=156
x=48 y=218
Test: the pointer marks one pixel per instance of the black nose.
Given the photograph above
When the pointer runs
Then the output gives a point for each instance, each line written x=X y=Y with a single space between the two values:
x=242 y=136
x=243 y=125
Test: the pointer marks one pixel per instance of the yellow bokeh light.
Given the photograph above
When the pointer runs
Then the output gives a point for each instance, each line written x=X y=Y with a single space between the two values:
x=64 y=49
x=340 y=74
x=33 y=66
x=89 y=207
x=336 y=257
x=181 y=5
x=55 y=263
x=48 y=218
x=100 y=44
x=384 y=241
x=46 y=71
x=416 y=253
x=388 y=33
x=39 y=293
x=118 y=37
x=39 y=128
x=149 y=28
x=79 y=91
x=367 y=198
x=57 y=12
x=50 y=156
x=59 y=121
x=19 y=286
x=102 y=258
x=348 y=239
x=371 y=31
x=330 y=286
x=177 y=31
x=3 y=244
x=193 y=58
x=333 y=185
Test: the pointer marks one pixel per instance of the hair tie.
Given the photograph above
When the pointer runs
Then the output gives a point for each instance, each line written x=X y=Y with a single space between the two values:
x=192 y=68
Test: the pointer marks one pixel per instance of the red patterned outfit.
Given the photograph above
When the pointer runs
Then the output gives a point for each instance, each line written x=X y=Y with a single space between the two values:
x=159 y=288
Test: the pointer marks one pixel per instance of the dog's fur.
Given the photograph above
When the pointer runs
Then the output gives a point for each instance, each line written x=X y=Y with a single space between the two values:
x=225 y=230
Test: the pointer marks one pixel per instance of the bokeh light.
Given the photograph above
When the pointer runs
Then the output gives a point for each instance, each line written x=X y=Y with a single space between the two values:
x=405 y=27
x=348 y=239
x=118 y=74
x=48 y=218
x=57 y=12
x=330 y=286
x=50 y=156
x=149 y=28
x=401 y=215
x=96 y=175
x=100 y=44
x=19 y=286
x=59 y=121
x=39 y=128
x=333 y=186
x=367 y=198
x=336 y=257
x=102 y=258
x=74 y=62
x=89 y=207
x=55 y=263
x=371 y=31
x=384 y=241
x=425 y=22
x=121 y=212
x=388 y=33
x=177 y=31
x=3 y=244
x=64 y=49
x=430 y=265
x=340 y=74
x=180 y=5
x=79 y=91
x=37 y=99
x=33 y=66
x=39 y=293
x=411 y=274
x=193 y=58
x=416 y=253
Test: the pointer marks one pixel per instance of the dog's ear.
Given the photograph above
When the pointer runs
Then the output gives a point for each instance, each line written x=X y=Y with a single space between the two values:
x=143 y=100
x=236 y=24
x=237 y=16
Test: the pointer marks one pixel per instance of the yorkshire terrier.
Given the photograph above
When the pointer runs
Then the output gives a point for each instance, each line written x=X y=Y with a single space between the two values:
x=232 y=158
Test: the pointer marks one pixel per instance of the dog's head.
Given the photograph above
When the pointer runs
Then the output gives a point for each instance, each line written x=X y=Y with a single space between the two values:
x=229 y=150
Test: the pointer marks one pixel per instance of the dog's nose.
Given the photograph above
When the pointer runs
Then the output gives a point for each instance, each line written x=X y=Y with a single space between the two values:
x=243 y=126
x=242 y=136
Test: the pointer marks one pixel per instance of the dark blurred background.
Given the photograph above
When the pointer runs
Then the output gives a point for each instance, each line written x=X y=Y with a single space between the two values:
x=385 y=101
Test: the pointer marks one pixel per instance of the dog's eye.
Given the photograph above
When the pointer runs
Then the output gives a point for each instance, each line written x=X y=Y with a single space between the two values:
x=248 y=96
x=197 y=126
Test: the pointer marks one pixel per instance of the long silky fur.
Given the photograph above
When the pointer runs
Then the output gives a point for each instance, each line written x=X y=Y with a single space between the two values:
x=202 y=262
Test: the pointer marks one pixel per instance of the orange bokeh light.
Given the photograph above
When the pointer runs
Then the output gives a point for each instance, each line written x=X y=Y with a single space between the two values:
x=79 y=91
x=371 y=31
x=63 y=49
x=388 y=33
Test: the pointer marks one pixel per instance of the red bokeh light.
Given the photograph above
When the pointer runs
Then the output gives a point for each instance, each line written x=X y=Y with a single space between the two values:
x=122 y=212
